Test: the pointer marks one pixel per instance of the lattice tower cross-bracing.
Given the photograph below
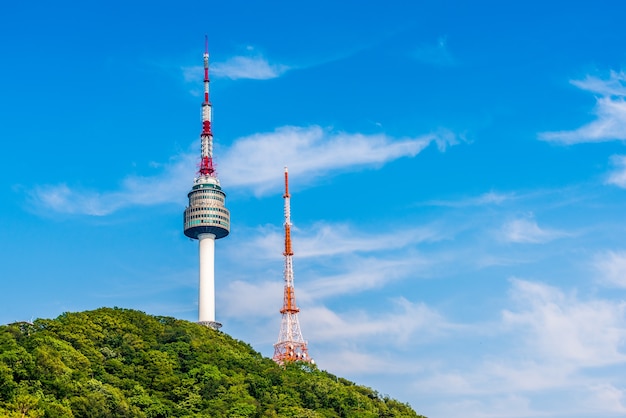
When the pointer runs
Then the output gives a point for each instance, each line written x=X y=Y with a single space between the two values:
x=290 y=346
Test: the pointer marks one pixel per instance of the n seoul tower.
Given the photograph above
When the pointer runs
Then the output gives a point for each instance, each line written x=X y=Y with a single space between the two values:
x=290 y=346
x=206 y=217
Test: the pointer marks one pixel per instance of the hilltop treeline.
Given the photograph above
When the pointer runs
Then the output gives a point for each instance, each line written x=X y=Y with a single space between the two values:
x=124 y=363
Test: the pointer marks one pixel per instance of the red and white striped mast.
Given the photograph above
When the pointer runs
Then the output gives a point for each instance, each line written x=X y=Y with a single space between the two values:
x=206 y=137
x=290 y=346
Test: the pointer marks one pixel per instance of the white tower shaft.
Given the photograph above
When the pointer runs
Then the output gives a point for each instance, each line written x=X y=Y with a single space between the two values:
x=206 y=299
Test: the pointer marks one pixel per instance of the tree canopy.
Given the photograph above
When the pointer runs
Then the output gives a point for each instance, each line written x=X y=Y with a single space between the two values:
x=114 y=362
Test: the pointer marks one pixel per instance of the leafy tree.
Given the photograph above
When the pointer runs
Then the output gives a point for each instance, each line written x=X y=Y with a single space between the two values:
x=114 y=362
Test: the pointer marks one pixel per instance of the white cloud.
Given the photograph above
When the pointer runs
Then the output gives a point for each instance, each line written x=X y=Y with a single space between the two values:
x=254 y=67
x=346 y=261
x=522 y=230
x=322 y=276
x=342 y=361
x=324 y=239
x=311 y=152
x=612 y=268
x=488 y=198
x=193 y=73
x=493 y=198
x=333 y=239
x=610 y=110
x=340 y=269
x=618 y=176
x=526 y=230
x=503 y=374
x=261 y=299
x=548 y=342
x=398 y=326
x=363 y=274
x=165 y=187
x=559 y=329
x=614 y=86
x=605 y=397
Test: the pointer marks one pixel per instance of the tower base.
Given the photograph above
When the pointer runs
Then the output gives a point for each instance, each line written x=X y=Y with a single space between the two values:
x=211 y=324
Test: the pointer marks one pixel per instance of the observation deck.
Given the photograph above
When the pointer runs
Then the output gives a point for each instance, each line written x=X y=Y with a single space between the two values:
x=206 y=213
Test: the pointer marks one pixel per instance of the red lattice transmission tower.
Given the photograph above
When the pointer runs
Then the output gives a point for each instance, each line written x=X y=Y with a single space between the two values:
x=290 y=346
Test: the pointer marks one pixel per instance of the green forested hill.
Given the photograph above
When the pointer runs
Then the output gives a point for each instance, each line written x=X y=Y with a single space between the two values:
x=124 y=363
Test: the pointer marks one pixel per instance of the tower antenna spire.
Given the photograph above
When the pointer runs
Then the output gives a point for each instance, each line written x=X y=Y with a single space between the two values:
x=290 y=345
x=206 y=218
x=206 y=137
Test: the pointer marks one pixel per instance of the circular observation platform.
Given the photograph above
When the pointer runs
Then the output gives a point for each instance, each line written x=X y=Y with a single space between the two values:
x=206 y=213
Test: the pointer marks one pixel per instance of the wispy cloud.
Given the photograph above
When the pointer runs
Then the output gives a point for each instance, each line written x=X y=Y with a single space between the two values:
x=350 y=360
x=253 y=66
x=526 y=230
x=563 y=330
x=436 y=54
x=310 y=152
x=164 y=187
x=261 y=299
x=546 y=339
x=489 y=198
x=611 y=266
x=397 y=326
x=365 y=273
x=610 y=110
x=258 y=299
x=556 y=342
x=605 y=397
x=617 y=177
x=614 y=86
x=324 y=239
x=346 y=261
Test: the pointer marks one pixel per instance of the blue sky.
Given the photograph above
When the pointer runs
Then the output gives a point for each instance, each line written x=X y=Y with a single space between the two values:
x=457 y=169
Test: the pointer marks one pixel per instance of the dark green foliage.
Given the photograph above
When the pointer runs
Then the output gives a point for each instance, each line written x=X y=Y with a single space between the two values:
x=124 y=363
